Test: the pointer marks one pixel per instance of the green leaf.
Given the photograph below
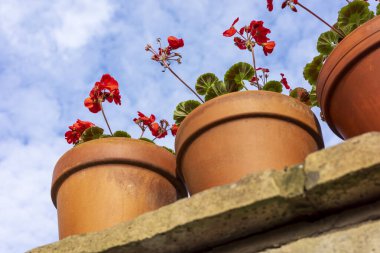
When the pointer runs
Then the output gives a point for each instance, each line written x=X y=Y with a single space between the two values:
x=274 y=86
x=312 y=69
x=327 y=41
x=91 y=133
x=105 y=136
x=378 y=9
x=235 y=76
x=353 y=15
x=146 y=139
x=169 y=149
x=121 y=134
x=301 y=94
x=313 y=96
x=183 y=109
x=204 y=83
x=217 y=89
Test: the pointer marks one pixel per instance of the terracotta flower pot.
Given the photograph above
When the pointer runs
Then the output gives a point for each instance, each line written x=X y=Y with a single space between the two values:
x=103 y=182
x=237 y=134
x=348 y=86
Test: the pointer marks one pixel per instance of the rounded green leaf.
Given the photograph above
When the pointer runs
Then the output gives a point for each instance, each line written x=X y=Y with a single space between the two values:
x=204 y=82
x=327 y=41
x=217 y=89
x=353 y=15
x=91 y=133
x=274 y=86
x=312 y=69
x=121 y=134
x=301 y=94
x=183 y=109
x=313 y=96
x=235 y=76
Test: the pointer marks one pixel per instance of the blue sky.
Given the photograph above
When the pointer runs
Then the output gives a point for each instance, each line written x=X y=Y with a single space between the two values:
x=52 y=52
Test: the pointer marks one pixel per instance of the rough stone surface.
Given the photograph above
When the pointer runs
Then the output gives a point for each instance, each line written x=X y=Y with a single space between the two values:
x=342 y=176
x=275 y=238
x=346 y=174
x=363 y=238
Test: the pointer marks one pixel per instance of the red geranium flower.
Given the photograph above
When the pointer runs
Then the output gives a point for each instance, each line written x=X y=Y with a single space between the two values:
x=259 y=32
x=174 y=129
x=175 y=43
x=231 y=31
x=76 y=130
x=93 y=104
x=106 y=89
x=144 y=119
x=240 y=43
x=157 y=131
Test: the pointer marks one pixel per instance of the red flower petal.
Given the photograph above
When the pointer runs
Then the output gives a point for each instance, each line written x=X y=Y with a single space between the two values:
x=175 y=43
x=92 y=105
x=230 y=32
x=270 y=5
x=268 y=47
x=235 y=21
x=284 y=81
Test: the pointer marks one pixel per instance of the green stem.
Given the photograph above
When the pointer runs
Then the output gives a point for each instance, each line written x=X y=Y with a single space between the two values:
x=105 y=118
x=254 y=66
x=168 y=67
x=320 y=19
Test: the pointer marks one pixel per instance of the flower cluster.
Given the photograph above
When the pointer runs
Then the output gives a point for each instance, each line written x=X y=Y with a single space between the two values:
x=158 y=130
x=76 y=130
x=250 y=35
x=165 y=55
x=106 y=89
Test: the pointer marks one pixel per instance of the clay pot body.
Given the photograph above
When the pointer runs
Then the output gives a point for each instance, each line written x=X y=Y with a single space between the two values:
x=103 y=182
x=237 y=134
x=348 y=84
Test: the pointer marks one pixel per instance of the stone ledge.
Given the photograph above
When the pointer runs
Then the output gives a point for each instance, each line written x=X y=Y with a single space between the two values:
x=363 y=238
x=285 y=235
x=253 y=205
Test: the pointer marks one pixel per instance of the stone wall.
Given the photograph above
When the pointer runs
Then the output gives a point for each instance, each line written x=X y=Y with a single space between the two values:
x=329 y=204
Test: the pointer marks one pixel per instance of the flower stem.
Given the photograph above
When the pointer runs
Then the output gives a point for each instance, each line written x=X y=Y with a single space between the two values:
x=320 y=19
x=142 y=133
x=254 y=66
x=105 y=118
x=168 y=67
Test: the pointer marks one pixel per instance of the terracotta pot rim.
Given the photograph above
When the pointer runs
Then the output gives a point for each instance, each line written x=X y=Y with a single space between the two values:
x=182 y=147
x=66 y=167
x=326 y=83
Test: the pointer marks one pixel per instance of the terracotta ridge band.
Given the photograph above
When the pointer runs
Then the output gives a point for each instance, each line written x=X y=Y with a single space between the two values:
x=348 y=52
x=181 y=192
x=203 y=129
x=344 y=55
x=333 y=85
